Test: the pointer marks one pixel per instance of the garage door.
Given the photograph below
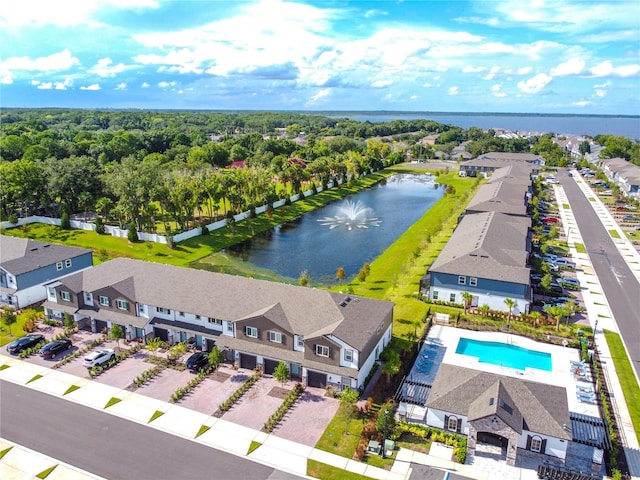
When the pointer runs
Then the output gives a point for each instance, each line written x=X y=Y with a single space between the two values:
x=161 y=333
x=316 y=379
x=270 y=366
x=101 y=326
x=248 y=361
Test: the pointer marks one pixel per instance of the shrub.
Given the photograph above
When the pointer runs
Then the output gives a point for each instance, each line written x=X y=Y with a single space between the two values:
x=13 y=218
x=99 y=226
x=193 y=383
x=50 y=322
x=235 y=396
x=65 y=221
x=282 y=410
x=132 y=232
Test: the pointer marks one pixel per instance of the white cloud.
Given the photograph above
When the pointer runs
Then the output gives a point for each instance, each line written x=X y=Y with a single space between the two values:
x=582 y=103
x=145 y=85
x=121 y=86
x=492 y=73
x=436 y=78
x=104 y=68
x=496 y=89
x=601 y=93
x=453 y=91
x=45 y=86
x=535 y=83
x=470 y=69
x=164 y=85
x=427 y=85
x=73 y=12
x=573 y=66
x=55 y=62
x=324 y=93
x=94 y=86
x=6 y=79
x=524 y=70
x=382 y=83
x=414 y=97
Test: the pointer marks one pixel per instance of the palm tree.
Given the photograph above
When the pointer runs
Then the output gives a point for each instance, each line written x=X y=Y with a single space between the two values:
x=510 y=303
x=466 y=297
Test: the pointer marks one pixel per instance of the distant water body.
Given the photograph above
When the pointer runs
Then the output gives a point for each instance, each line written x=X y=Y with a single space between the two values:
x=627 y=126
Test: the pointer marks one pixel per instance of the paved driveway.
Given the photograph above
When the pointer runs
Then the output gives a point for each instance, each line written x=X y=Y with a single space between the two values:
x=256 y=405
x=162 y=386
x=219 y=386
x=309 y=417
x=122 y=374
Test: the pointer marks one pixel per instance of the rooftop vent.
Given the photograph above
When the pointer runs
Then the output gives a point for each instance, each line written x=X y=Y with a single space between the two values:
x=33 y=249
x=46 y=246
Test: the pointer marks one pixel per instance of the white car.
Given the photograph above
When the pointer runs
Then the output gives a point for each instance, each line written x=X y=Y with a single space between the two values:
x=99 y=357
x=563 y=262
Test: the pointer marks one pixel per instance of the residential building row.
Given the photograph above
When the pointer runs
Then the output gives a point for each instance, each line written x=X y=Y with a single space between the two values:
x=325 y=338
x=623 y=173
x=487 y=255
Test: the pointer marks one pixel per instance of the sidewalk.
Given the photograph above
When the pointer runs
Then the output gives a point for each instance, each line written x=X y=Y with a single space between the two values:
x=598 y=308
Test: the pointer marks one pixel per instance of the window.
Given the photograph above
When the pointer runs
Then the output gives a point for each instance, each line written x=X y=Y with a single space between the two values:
x=67 y=263
x=322 y=351
x=435 y=294
x=473 y=281
x=452 y=424
x=88 y=297
x=104 y=300
x=230 y=327
x=275 y=337
x=462 y=280
x=166 y=311
x=198 y=317
x=251 y=332
x=181 y=314
x=122 y=305
x=300 y=341
x=452 y=297
x=59 y=266
x=65 y=296
x=536 y=444
x=348 y=355
x=217 y=321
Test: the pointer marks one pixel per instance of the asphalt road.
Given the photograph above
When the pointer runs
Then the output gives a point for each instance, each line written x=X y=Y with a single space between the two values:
x=618 y=282
x=112 y=447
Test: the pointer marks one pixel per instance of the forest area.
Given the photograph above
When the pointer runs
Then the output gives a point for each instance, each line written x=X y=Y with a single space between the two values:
x=167 y=171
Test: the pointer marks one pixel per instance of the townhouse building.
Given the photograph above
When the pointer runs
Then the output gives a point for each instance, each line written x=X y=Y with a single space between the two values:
x=325 y=338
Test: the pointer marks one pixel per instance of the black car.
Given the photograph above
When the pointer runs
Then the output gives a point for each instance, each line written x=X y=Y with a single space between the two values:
x=52 y=349
x=28 y=341
x=198 y=361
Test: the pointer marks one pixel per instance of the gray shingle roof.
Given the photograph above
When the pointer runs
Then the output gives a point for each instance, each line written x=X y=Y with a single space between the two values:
x=302 y=310
x=500 y=196
x=487 y=245
x=511 y=157
x=542 y=408
x=22 y=255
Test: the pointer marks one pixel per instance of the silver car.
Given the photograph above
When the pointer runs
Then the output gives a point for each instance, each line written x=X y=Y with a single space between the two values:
x=99 y=357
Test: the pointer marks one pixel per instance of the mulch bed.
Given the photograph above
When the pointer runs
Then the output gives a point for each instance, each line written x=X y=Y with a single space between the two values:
x=279 y=392
x=219 y=376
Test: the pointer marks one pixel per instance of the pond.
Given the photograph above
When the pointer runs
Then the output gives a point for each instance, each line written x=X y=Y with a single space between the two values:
x=347 y=233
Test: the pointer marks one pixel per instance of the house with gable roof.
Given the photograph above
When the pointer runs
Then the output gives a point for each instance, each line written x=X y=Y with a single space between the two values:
x=513 y=413
x=326 y=338
x=27 y=265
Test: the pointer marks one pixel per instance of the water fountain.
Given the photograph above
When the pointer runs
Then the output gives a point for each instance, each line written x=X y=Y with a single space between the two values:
x=352 y=214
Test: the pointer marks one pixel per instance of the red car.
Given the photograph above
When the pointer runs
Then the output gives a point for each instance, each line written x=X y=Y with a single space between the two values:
x=550 y=220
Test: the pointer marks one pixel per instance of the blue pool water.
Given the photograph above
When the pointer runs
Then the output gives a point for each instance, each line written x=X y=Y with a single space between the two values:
x=504 y=355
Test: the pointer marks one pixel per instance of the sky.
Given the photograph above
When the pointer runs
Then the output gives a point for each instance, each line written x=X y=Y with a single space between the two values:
x=517 y=56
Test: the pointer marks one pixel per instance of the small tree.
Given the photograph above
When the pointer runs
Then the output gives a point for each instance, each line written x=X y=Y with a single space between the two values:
x=176 y=351
x=155 y=344
x=116 y=333
x=9 y=317
x=510 y=303
x=99 y=225
x=68 y=321
x=282 y=373
x=132 y=233
x=484 y=309
x=348 y=400
x=65 y=221
x=216 y=357
x=466 y=297
x=340 y=274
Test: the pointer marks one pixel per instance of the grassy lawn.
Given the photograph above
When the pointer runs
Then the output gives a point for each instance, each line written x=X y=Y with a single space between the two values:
x=627 y=379
x=16 y=329
x=614 y=234
x=327 y=472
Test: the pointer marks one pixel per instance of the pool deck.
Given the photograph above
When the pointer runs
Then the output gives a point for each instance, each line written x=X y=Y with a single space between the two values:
x=562 y=370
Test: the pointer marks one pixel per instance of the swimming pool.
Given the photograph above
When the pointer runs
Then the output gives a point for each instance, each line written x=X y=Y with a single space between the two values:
x=504 y=355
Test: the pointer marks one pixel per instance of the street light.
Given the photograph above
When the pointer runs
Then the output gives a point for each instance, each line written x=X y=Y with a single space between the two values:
x=384 y=433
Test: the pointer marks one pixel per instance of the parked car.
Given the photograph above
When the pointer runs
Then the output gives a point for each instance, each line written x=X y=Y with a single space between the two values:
x=569 y=282
x=52 y=349
x=550 y=220
x=198 y=361
x=99 y=357
x=22 y=343
x=563 y=262
x=630 y=218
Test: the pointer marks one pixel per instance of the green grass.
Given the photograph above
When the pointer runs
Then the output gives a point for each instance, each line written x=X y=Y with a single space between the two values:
x=45 y=473
x=155 y=415
x=112 y=401
x=4 y=452
x=4 y=366
x=335 y=441
x=566 y=206
x=254 y=445
x=413 y=442
x=580 y=248
x=34 y=378
x=203 y=429
x=72 y=388
x=16 y=328
x=327 y=472
x=624 y=371
x=614 y=234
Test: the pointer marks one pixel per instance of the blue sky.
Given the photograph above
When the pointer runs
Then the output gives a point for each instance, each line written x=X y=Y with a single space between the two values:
x=560 y=56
